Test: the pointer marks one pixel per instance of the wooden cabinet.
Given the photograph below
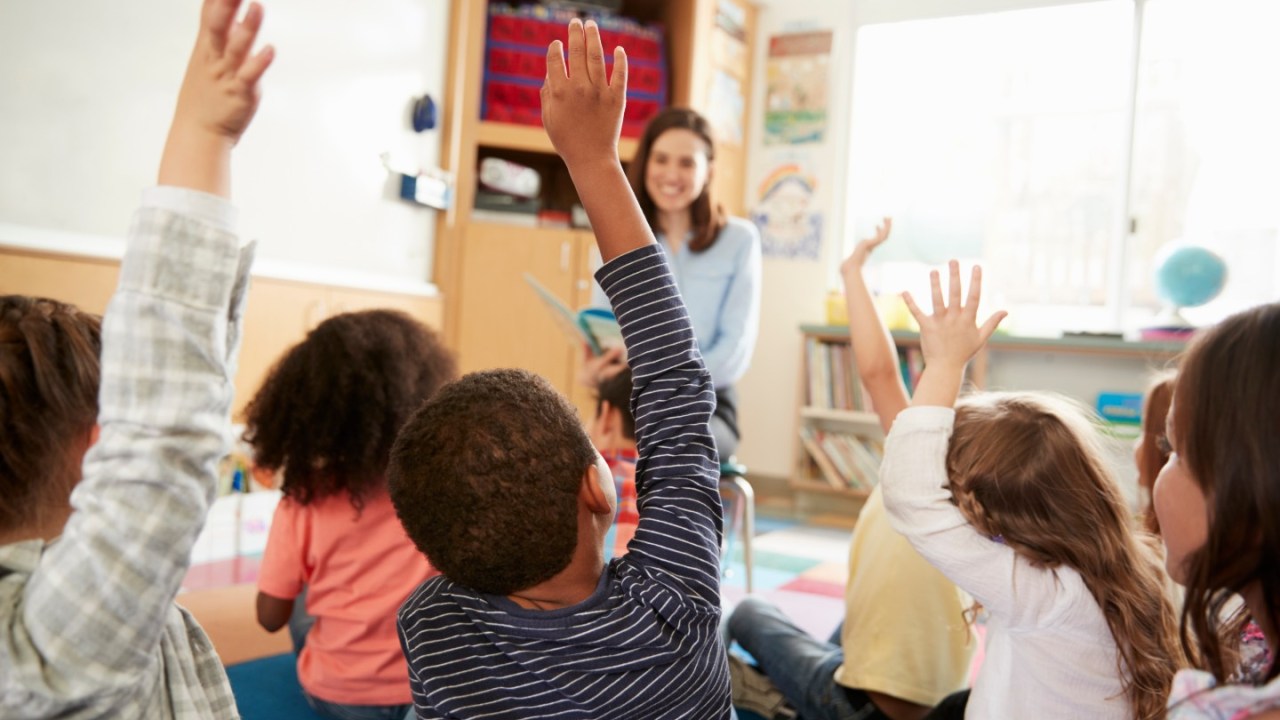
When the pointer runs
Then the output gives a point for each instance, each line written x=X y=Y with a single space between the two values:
x=492 y=318
x=278 y=315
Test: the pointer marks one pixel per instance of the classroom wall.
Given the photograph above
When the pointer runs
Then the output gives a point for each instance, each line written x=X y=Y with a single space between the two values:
x=87 y=89
x=793 y=289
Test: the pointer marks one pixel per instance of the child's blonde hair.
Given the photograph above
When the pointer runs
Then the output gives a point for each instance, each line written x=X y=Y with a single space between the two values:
x=1026 y=470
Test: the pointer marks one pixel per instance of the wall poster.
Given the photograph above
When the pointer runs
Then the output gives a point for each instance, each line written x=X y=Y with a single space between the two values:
x=796 y=88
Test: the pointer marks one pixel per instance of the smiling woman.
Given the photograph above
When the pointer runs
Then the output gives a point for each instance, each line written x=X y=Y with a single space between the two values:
x=715 y=258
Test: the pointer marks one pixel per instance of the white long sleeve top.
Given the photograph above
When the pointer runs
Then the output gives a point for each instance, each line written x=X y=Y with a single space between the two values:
x=1049 y=651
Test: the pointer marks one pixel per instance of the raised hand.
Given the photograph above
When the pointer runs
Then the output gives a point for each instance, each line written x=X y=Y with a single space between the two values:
x=220 y=91
x=951 y=336
x=218 y=99
x=581 y=108
x=852 y=265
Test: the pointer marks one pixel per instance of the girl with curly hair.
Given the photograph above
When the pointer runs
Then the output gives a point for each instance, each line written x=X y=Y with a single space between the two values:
x=325 y=419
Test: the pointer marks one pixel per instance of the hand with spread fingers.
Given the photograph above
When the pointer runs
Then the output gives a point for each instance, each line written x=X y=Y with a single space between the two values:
x=950 y=336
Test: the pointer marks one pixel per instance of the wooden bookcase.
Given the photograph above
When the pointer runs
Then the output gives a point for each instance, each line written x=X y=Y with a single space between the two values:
x=855 y=419
x=491 y=317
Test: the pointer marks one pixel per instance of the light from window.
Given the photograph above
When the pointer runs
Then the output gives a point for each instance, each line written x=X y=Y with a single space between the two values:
x=1004 y=138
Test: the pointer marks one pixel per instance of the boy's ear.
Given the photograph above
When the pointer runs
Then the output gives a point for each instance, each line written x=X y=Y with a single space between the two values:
x=597 y=489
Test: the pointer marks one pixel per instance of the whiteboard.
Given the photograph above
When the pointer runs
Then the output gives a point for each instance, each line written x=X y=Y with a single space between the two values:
x=87 y=88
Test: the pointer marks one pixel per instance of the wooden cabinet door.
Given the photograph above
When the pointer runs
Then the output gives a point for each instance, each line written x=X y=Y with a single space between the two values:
x=502 y=322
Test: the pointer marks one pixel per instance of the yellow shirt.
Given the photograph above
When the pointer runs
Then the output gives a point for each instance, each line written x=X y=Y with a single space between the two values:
x=904 y=631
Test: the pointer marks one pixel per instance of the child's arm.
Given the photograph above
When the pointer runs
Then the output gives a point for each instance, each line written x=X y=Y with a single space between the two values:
x=96 y=605
x=873 y=349
x=672 y=397
x=914 y=475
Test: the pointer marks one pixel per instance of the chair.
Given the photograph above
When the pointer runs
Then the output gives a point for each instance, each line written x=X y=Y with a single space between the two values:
x=740 y=516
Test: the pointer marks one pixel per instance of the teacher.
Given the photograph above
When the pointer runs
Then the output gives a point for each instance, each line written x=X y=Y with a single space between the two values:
x=715 y=258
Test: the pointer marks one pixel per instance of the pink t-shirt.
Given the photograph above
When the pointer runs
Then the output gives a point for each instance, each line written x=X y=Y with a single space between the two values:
x=358 y=571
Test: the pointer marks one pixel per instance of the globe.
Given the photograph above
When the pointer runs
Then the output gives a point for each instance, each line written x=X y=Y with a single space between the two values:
x=1189 y=275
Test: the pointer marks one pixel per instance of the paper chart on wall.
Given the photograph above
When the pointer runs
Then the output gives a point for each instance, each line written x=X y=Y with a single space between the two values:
x=726 y=107
x=786 y=211
x=796 y=88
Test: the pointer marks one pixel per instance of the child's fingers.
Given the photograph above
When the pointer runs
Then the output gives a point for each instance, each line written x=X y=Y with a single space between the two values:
x=953 y=292
x=975 y=289
x=618 y=82
x=242 y=36
x=217 y=17
x=253 y=68
x=555 y=63
x=916 y=312
x=989 y=327
x=935 y=283
x=595 y=54
x=577 y=51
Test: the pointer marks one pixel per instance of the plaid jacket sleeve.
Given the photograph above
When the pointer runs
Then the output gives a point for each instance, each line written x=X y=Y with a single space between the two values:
x=95 y=607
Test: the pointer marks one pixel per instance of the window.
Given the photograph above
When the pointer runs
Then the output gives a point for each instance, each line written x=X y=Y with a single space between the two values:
x=1039 y=143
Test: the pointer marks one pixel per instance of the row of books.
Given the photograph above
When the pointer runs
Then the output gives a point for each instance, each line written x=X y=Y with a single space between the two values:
x=832 y=379
x=844 y=461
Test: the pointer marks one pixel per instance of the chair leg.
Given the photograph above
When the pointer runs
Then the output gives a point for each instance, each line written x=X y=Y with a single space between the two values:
x=743 y=489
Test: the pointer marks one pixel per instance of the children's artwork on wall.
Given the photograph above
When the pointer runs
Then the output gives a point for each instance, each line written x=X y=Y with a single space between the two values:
x=796 y=88
x=729 y=40
x=725 y=107
x=789 y=220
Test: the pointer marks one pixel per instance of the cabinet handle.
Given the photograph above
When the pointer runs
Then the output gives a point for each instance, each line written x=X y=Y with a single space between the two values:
x=564 y=256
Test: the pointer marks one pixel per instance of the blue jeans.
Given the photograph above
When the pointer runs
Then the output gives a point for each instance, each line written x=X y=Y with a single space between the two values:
x=337 y=711
x=802 y=667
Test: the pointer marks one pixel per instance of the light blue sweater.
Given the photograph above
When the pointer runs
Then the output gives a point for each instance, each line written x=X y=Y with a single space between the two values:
x=721 y=289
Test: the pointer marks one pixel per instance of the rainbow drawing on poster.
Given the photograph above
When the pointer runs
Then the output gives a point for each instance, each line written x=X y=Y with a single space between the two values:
x=789 y=224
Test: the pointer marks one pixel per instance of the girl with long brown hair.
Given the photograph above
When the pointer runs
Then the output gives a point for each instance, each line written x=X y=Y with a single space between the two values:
x=1008 y=495
x=1218 y=500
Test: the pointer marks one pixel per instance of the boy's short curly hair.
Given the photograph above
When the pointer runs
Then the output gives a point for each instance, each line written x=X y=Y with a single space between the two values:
x=330 y=409
x=485 y=478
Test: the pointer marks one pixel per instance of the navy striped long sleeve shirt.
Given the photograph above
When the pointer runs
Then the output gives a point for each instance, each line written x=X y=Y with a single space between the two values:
x=645 y=644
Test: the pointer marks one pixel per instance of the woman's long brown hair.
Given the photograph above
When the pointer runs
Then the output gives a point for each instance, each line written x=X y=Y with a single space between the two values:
x=1226 y=431
x=1026 y=468
x=709 y=216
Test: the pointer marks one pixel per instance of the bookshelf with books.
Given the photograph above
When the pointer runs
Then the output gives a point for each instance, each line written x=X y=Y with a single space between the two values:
x=838 y=437
x=835 y=420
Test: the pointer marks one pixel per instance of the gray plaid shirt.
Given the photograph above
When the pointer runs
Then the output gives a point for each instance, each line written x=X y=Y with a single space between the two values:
x=90 y=629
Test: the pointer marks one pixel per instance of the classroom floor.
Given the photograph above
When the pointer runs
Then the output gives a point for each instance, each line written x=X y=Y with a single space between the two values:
x=800 y=567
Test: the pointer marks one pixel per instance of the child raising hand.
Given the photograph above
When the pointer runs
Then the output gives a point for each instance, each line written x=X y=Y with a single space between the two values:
x=108 y=466
x=1008 y=495
x=497 y=482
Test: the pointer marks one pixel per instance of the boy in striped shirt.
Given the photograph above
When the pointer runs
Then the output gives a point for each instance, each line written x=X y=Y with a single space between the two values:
x=497 y=482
